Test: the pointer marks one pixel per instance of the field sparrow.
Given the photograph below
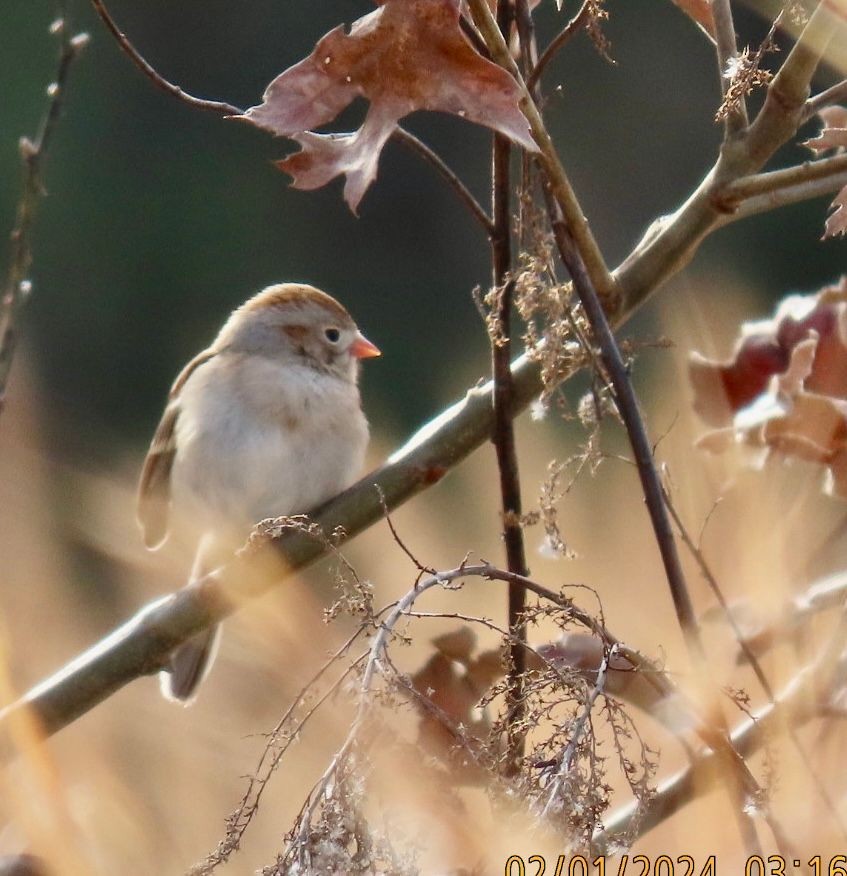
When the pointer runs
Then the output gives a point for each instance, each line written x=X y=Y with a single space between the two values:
x=265 y=422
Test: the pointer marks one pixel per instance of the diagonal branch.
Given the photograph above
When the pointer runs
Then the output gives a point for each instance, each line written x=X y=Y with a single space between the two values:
x=744 y=785
x=797 y=701
x=570 y=30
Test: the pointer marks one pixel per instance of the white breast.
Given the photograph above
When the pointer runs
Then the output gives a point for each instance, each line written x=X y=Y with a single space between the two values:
x=263 y=441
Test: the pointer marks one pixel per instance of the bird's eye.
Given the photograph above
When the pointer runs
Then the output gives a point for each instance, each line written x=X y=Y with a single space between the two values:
x=332 y=335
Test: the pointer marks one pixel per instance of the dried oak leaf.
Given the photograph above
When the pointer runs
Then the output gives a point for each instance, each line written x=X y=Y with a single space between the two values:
x=833 y=136
x=785 y=389
x=407 y=55
x=454 y=679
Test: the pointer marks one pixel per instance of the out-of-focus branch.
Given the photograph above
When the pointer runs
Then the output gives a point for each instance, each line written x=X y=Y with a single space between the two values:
x=16 y=287
x=752 y=659
x=834 y=94
x=797 y=702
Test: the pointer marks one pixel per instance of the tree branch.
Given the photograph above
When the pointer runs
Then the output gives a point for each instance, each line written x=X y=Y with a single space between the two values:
x=16 y=287
x=744 y=784
x=215 y=106
x=401 y=135
x=227 y=109
x=776 y=180
x=503 y=435
x=571 y=29
x=548 y=157
x=797 y=701
x=834 y=94
x=727 y=53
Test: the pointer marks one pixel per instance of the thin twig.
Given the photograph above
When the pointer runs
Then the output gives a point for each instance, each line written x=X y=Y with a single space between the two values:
x=798 y=701
x=215 y=106
x=239 y=821
x=428 y=570
x=714 y=586
x=567 y=755
x=571 y=29
x=727 y=54
x=548 y=157
x=834 y=94
x=17 y=287
x=776 y=180
x=412 y=142
x=627 y=403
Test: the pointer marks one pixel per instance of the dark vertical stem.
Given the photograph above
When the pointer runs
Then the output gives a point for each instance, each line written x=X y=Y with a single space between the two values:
x=744 y=787
x=504 y=434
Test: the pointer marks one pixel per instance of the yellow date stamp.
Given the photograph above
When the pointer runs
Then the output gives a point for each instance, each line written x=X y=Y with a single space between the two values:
x=665 y=865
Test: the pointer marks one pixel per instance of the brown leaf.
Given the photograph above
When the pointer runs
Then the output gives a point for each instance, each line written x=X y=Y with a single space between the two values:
x=407 y=55
x=454 y=679
x=833 y=136
x=836 y=222
x=785 y=389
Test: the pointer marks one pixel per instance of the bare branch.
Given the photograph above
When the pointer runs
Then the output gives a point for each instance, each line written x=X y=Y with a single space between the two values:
x=727 y=52
x=215 y=106
x=570 y=30
x=744 y=784
x=33 y=153
x=797 y=701
x=141 y=645
x=785 y=197
x=672 y=241
x=567 y=755
x=834 y=94
x=548 y=157
x=412 y=142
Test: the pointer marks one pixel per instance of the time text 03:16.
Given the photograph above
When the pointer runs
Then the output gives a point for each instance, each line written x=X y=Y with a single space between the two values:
x=665 y=865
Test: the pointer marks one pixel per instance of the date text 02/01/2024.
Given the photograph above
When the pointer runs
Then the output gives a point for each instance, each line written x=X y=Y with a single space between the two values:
x=665 y=865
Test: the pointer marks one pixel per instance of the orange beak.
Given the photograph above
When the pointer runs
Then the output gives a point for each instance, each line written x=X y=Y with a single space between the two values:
x=362 y=348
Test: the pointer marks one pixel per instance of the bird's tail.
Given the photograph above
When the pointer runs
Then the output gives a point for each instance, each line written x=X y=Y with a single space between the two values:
x=190 y=663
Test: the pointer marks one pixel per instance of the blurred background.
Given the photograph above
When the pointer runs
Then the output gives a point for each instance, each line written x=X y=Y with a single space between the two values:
x=159 y=219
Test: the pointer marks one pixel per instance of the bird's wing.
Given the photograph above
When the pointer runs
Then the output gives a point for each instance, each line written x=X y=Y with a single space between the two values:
x=154 y=487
